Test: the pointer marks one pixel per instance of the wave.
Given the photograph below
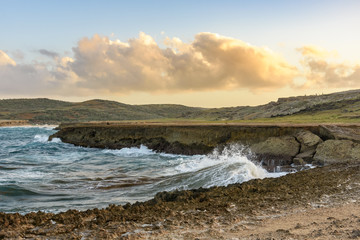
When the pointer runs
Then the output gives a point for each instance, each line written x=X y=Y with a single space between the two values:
x=14 y=190
x=42 y=138
x=35 y=173
x=220 y=168
x=131 y=152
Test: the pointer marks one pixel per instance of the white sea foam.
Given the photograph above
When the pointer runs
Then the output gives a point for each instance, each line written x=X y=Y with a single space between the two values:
x=56 y=140
x=131 y=152
x=41 y=138
x=220 y=168
x=232 y=154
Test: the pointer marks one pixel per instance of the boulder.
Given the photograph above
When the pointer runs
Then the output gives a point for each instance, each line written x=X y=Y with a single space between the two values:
x=333 y=151
x=308 y=141
x=281 y=149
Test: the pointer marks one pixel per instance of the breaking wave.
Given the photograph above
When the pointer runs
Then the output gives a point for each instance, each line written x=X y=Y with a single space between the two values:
x=53 y=176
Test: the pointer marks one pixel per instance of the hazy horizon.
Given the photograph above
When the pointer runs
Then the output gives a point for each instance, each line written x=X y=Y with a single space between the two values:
x=92 y=99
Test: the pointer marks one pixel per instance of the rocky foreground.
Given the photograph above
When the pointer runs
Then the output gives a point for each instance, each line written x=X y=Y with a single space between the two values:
x=320 y=203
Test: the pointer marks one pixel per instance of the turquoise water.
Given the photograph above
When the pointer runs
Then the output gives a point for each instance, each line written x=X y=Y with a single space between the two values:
x=36 y=174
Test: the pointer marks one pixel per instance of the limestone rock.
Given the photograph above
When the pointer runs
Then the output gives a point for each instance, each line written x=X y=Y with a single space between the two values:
x=284 y=147
x=332 y=151
x=341 y=132
x=308 y=141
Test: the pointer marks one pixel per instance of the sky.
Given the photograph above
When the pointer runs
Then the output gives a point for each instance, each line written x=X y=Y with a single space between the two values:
x=196 y=53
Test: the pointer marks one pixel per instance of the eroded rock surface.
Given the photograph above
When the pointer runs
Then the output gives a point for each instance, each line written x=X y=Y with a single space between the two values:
x=340 y=133
x=332 y=151
x=308 y=141
x=271 y=144
x=283 y=149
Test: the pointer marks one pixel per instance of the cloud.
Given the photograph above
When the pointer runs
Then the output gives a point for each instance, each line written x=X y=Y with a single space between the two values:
x=5 y=60
x=320 y=71
x=318 y=52
x=48 y=53
x=18 y=54
x=36 y=78
x=210 y=62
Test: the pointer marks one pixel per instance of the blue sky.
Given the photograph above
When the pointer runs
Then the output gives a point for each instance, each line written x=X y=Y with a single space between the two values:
x=281 y=26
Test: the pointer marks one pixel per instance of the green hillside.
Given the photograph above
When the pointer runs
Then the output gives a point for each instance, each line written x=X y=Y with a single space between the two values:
x=335 y=107
x=44 y=110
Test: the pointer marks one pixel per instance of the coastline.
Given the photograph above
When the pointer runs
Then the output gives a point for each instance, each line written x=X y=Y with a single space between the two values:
x=14 y=123
x=272 y=144
x=282 y=207
x=319 y=203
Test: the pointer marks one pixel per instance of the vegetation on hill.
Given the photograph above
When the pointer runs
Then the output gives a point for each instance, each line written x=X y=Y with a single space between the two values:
x=44 y=110
x=335 y=107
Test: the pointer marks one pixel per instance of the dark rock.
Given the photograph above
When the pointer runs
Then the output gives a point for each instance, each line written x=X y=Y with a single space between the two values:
x=178 y=139
x=274 y=145
x=306 y=156
x=298 y=161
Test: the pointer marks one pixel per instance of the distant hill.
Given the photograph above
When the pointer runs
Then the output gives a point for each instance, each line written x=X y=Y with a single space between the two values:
x=341 y=106
x=43 y=110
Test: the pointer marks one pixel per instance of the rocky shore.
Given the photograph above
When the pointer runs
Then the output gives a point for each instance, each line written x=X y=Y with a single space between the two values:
x=320 y=203
x=273 y=145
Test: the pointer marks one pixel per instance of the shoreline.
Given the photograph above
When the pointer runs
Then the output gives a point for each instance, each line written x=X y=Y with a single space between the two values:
x=271 y=144
x=283 y=207
x=13 y=123
x=318 y=203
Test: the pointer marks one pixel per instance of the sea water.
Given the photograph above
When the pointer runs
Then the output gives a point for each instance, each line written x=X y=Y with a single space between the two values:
x=52 y=176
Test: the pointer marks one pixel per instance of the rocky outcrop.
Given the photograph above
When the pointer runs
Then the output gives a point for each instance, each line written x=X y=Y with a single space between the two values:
x=271 y=144
x=332 y=151
x=283 y=149
x=341 y=133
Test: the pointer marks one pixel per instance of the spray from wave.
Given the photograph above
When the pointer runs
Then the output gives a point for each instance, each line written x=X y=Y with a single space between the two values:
x=220 y=168
x=65 y=177
x=44 y=139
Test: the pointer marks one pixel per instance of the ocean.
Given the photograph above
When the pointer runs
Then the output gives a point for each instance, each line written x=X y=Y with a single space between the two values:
x=52 y=176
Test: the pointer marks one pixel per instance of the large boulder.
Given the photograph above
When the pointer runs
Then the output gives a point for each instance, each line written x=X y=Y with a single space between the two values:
x=308 y=141
x=332 y=151
x=277 y=150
